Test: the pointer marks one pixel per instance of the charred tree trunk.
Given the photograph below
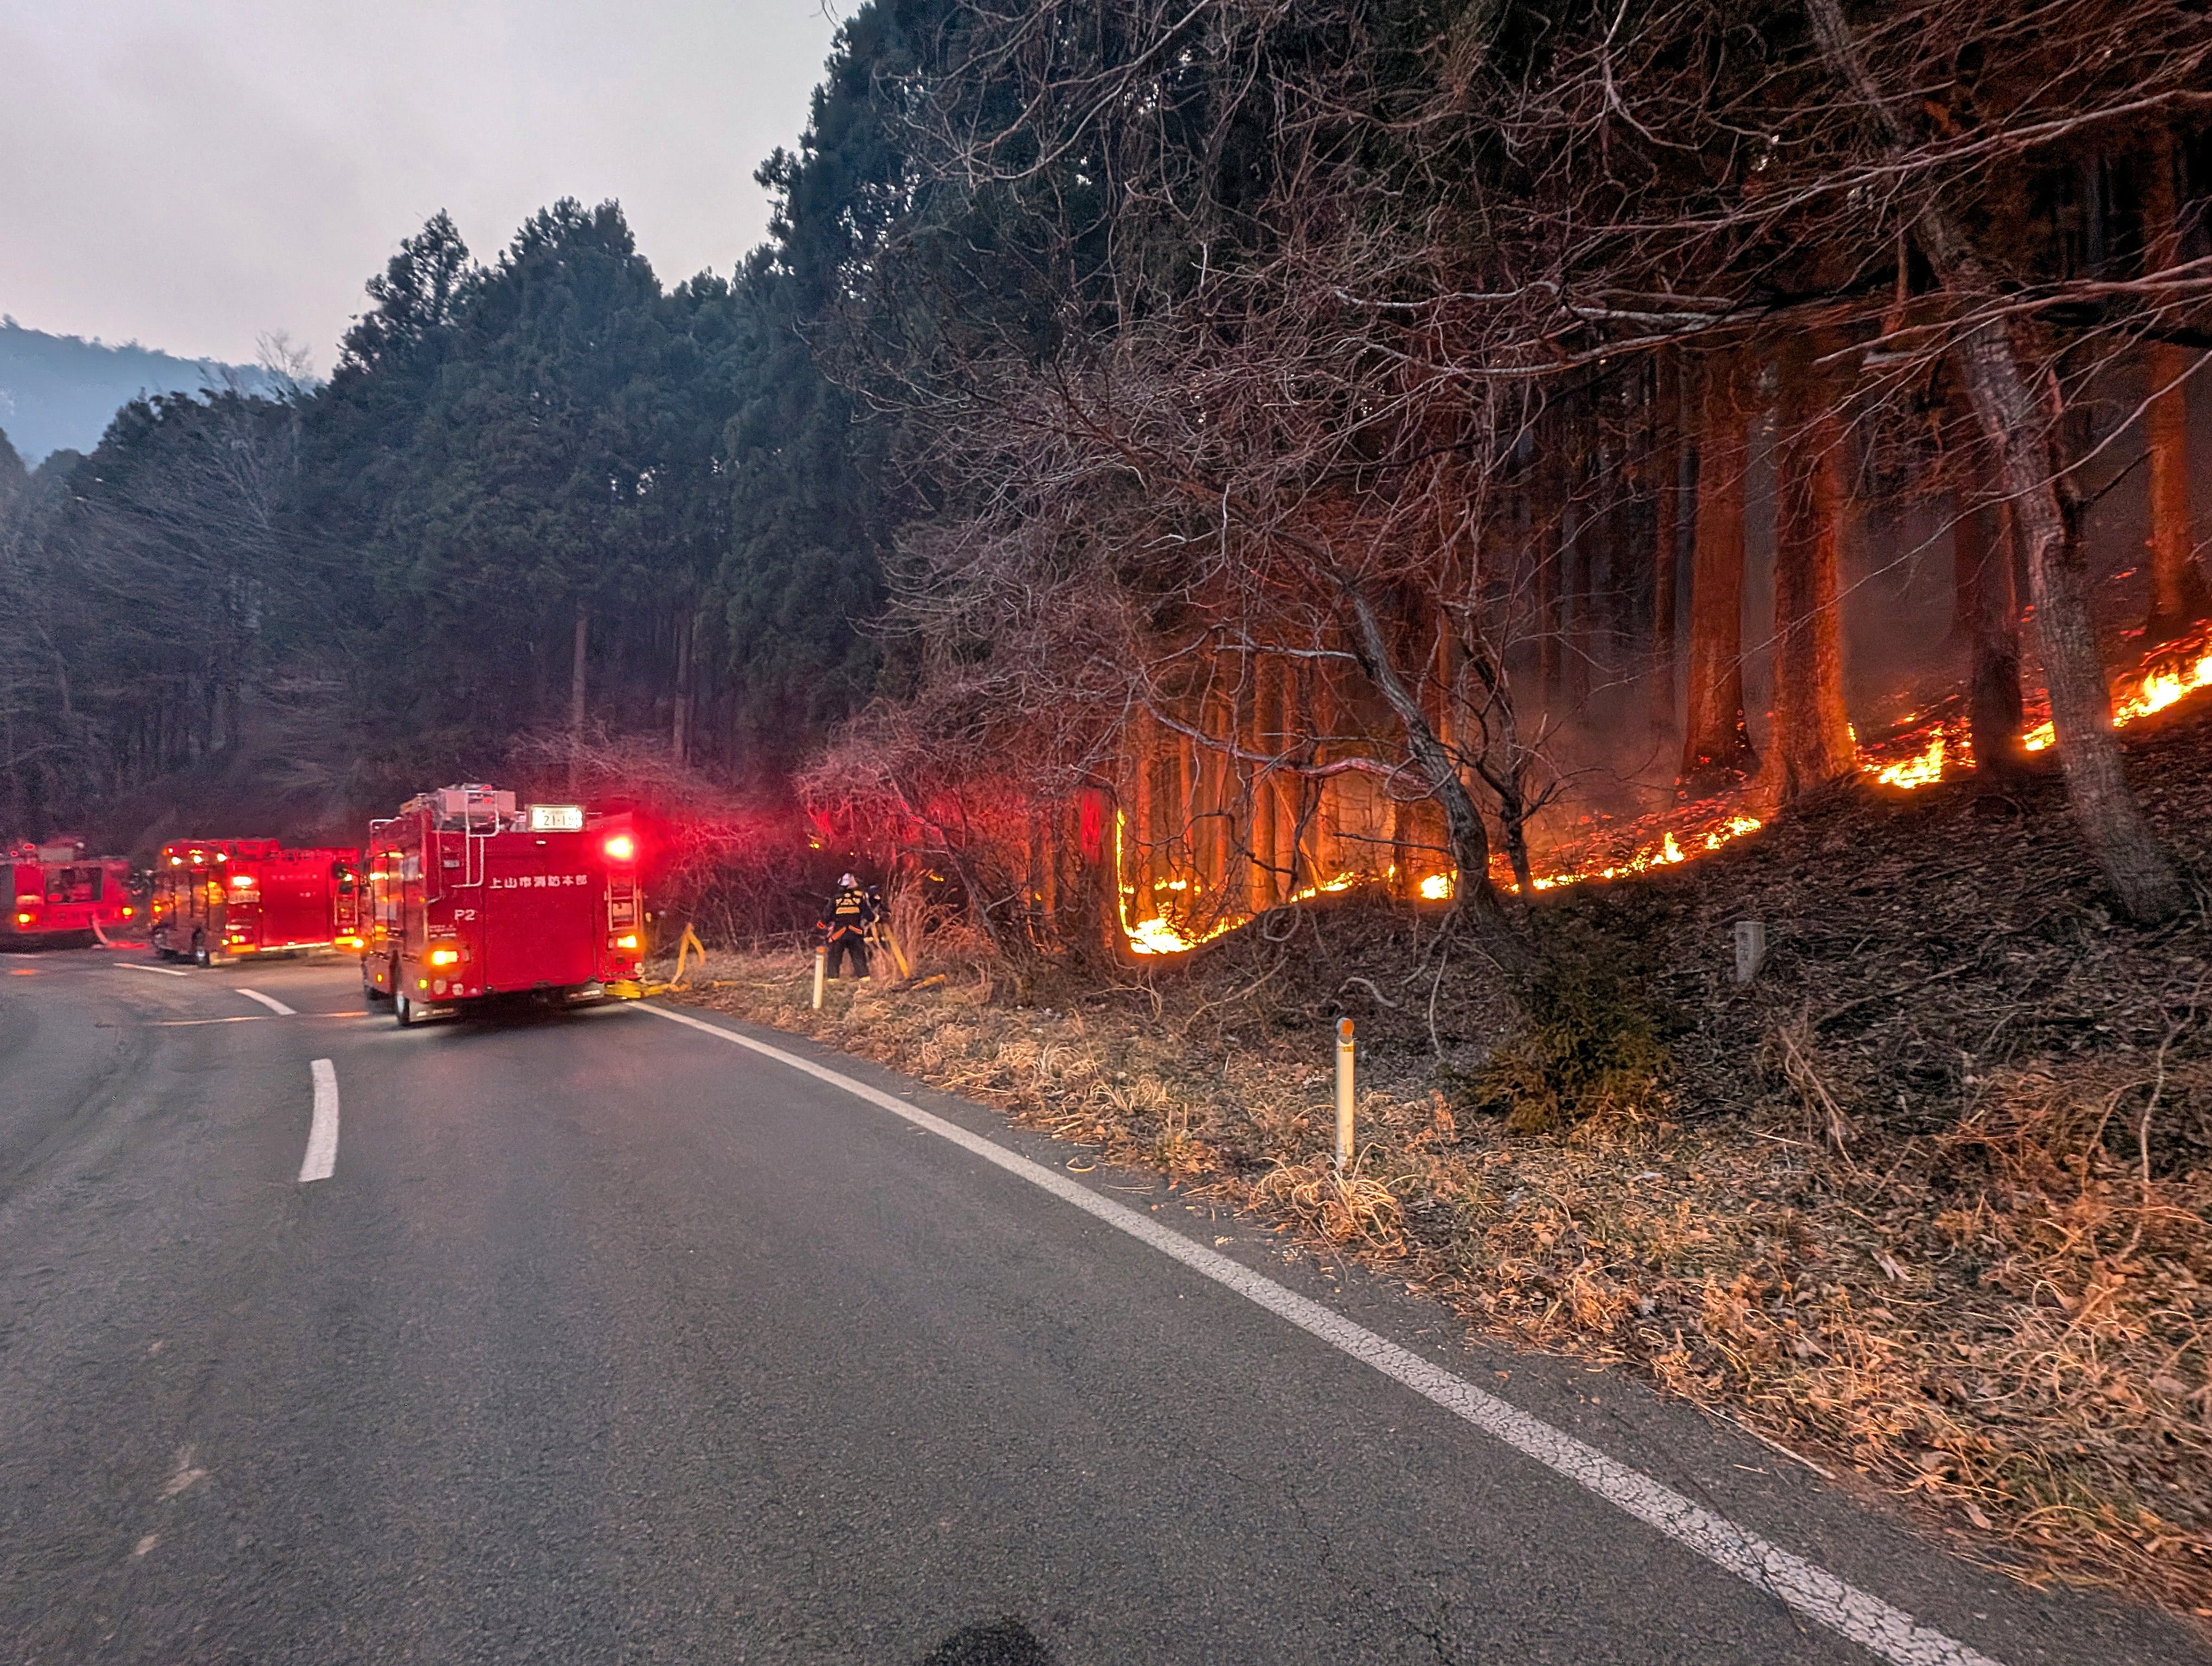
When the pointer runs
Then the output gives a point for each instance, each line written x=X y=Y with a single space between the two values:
x=1550 y=511
x=1294 y=794
x=1323 y=854
x=1812 y=730
x=1988 y=619
x=1476 y=899
x=2178 y=592
x=1716 y=746
x=1666 y=533
x=1182 y=838
x=1217 y=776
x=1266 y=740
x=1137 y=828
x=2046 y=516
x=2178 y=597
x=1513 y=827
x=1576 y=577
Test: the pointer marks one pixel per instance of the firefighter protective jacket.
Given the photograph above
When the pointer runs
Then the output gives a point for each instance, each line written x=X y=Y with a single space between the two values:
x=851 y=912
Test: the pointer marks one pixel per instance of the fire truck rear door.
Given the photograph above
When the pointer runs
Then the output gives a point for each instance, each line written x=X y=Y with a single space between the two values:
x=543 y=919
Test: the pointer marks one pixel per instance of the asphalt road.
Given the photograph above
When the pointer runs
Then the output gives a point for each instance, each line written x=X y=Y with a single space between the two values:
x=608 y=1340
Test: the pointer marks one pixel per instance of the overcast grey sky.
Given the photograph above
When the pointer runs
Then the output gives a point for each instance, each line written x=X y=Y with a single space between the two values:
x=195 y=175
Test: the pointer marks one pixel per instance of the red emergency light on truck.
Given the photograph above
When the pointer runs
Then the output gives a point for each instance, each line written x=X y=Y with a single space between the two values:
x=470 y=896
x=58 y=890
x=247 y=897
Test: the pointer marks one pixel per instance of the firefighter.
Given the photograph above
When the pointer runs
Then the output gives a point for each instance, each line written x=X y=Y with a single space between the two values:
x=844 y=925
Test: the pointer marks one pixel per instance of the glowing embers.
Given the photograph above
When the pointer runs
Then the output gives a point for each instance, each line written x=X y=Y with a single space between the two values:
x=1711 y=827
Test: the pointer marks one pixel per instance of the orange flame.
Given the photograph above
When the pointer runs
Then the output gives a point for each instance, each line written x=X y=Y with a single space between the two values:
x=1921 y=769
x=2166 y=675
x=1918 y=755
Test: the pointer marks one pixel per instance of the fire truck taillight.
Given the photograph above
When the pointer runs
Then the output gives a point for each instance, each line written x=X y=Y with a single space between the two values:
x=626 y=942
x=445 y=957
x=621 y=848
x=22 y=919
x=127 y=913
x=241 y=880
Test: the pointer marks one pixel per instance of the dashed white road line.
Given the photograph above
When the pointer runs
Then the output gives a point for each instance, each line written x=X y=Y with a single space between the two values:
x=137 y=966
x=1889 y=1632
x=270 y=1001
x=323 y=1132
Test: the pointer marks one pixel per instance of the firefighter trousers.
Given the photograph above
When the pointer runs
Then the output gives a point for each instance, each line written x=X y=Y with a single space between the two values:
x=853 y=944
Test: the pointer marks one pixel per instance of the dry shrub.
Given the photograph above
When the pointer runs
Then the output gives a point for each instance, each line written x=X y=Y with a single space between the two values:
x=1791 y=1055
x=1588 y=1046
x=1347 y=1208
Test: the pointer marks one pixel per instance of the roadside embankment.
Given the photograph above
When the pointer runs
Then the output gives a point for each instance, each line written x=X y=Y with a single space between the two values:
x=1928 y=1202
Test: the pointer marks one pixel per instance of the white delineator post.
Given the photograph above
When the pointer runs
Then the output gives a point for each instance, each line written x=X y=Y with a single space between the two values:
x=821 y=971
x=1343 y=1094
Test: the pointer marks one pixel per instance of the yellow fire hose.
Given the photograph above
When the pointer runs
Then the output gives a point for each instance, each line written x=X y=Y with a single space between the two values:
x=686 y=945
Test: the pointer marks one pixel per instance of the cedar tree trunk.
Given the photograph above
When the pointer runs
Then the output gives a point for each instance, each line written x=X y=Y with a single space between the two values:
x=1715 y=746
x=2179 y=597
x=1812 y=731
x=576 y=698
x=1666 y=532
x=1989 y=619
x=680 y=741
x=2047 y=518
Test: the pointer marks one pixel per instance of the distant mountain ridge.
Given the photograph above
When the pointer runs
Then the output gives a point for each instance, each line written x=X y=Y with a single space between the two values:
x=60 y=392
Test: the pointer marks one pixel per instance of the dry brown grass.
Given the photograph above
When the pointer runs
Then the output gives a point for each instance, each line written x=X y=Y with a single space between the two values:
x=1980 y=1277
x=2001 y=1322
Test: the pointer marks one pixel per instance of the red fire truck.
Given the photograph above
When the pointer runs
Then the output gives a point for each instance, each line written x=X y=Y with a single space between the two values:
x=347 y=898
x=470 y=896
x=59 y=891
x=215 y=897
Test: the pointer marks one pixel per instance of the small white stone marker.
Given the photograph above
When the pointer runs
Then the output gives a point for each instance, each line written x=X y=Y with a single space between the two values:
x=1750 y=949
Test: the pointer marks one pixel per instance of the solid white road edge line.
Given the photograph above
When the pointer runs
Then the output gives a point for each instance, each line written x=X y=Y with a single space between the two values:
x=1812 y=1591
x=322 y=1132
x=270 y=1001
x=133 y=966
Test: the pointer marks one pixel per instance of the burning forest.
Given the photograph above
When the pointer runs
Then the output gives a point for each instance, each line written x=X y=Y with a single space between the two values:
x=1714 y=477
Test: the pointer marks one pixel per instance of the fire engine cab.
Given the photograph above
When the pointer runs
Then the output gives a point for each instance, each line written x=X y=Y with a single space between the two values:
x=470 y=896
x=58 y=890
x=214 y=897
